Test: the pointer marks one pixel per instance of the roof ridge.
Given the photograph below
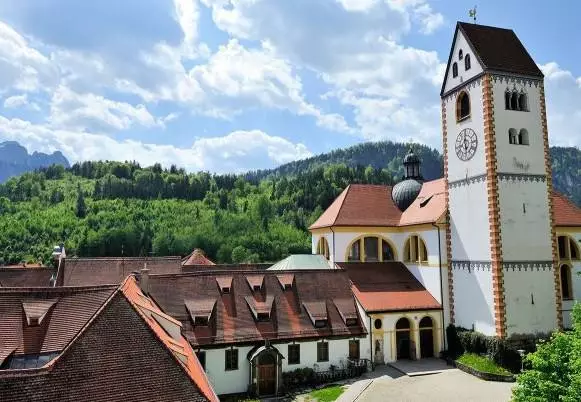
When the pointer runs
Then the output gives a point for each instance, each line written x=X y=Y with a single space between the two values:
x=56 y=289
x=484 y=26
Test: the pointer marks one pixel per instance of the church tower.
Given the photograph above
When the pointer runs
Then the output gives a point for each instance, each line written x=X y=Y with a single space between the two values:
x=500 y=240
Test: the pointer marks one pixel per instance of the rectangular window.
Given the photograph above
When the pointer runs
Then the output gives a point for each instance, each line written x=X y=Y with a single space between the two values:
x=322 y=351
x=562 y=247
x=294 y=354
x=202 y=358
x=354 y=349
x=232 y=359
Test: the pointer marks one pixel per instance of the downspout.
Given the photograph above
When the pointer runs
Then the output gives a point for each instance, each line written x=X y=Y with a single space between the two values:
x=334 y=262
x=441 y=285
x=371 y=345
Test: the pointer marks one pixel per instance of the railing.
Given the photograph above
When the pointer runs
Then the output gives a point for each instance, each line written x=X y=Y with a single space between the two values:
x=310 y=377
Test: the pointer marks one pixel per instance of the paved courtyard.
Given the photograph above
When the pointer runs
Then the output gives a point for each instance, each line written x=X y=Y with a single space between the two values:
x=446 y=385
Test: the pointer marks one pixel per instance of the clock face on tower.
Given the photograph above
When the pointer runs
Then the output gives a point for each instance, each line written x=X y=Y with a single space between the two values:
x=466 y=144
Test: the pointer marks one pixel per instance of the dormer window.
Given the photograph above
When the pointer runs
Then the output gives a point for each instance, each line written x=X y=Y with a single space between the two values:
x=347 y=311
x=351 y=322
x=201 y=321
x=200 y=310
x=255 y=282
x=454 y=70
x=224 y=284
x=33 y=322
x=36 y=311
x=261 y=310
x=320 y=323
x=286 y=281
x=460 y=54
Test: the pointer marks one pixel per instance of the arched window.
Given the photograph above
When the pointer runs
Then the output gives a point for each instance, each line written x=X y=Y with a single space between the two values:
x=512 y=136
x=566 y=290
x=467 y=62
x=454 y=70
x=370 y=249
x=426 y=322
x=460 y=54
x=462 y=106
x=523 y=137
x=415 y=250
x=403 y=323
x=523 y=102
x=323 y=247
x=514 y=101
x=507 y=99
x=568 y=249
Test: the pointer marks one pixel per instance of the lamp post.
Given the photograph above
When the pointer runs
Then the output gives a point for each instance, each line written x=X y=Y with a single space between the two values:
x=521 y=352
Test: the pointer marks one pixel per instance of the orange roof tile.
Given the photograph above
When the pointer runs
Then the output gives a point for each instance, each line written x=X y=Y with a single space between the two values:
x=197 y=257
x=428 y=207
x=566 y=213
x=361 y=205
x=388 y=286
x=180 y=347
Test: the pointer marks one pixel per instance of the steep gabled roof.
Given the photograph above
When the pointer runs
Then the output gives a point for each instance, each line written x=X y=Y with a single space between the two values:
x=566 y=213
x=499 y=49
x=197 y=257
x=428 y=207
x=108 y=356
x=388 y=286
x=361 y=205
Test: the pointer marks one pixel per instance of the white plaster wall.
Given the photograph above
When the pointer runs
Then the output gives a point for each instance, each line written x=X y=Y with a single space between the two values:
x=522 y=316
x=387 y=331
x=338 y=354
x=315 y=241
x=526 y=233
x=458 y=169
x=469 y=223
x=473 y=300
x=228 y=381
x=463 y=75
x=429 y=277
x=512 y=158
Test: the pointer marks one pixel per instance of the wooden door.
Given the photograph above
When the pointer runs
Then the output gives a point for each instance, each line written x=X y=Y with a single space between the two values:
x=267 y=379
x=426 y=342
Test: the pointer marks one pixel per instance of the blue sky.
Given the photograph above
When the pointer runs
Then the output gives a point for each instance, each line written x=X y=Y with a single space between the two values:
x=232 y=85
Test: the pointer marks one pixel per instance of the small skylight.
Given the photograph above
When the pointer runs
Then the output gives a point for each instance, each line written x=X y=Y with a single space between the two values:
x=425 y=202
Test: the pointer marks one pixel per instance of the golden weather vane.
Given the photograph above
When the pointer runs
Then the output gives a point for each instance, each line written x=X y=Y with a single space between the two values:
x=472 y=13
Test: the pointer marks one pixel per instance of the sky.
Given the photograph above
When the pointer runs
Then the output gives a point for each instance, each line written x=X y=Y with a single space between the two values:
x=236 y=85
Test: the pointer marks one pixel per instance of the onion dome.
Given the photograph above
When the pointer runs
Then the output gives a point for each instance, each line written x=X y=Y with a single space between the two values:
x=406 y=191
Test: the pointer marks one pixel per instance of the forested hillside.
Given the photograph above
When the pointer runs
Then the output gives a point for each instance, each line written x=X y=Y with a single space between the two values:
x=112 y=208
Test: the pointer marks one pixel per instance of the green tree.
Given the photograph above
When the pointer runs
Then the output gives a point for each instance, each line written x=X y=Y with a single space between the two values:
x=240 y=254
x=81 y=210
x=555 y=373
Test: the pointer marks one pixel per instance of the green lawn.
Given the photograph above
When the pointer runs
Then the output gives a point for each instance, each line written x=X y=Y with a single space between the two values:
x=482 y=363
x=327 y=394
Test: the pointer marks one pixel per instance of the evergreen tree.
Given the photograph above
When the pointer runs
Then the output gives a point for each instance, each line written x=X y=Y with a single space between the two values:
x=81 y=210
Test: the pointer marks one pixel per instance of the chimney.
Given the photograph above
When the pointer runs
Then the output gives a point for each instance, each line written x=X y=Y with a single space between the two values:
x=144 y=280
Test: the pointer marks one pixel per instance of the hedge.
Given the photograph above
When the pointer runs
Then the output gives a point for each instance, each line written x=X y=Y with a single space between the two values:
x=503 y=351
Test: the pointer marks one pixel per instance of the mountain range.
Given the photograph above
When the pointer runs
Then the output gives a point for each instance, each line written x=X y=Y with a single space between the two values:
x=15 y=160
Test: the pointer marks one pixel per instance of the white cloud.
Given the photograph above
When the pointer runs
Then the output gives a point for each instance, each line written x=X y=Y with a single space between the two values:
x=187 y=15
x=16 y=101
x=235 y=152
x=358 y=5
x=563 y=97
x=95 y=113
x=428 y=19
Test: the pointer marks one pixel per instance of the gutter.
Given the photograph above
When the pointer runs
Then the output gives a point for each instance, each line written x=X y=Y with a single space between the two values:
x=441 y=286
x=371 y=344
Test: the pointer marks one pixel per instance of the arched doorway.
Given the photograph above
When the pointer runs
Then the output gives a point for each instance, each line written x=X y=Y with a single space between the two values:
x=426 y=337
x=266 y=374
x=403 y=338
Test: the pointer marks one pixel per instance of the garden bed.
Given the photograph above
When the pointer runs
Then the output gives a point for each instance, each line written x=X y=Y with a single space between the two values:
x=484 y=368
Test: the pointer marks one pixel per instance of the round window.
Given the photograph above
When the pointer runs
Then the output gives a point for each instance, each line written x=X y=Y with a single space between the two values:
x=377 y=324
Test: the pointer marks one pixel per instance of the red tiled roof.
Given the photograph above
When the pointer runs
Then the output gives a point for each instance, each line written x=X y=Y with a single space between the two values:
x=24 y=277
x=428 y=207
x=72 y=308
x=566 y=213
x=372 y=205
x=388 y=286
x=107 y=358
x=178 y=345
x=197 y=257
x=361 y=205
x=113 y=270
x=234 y=321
